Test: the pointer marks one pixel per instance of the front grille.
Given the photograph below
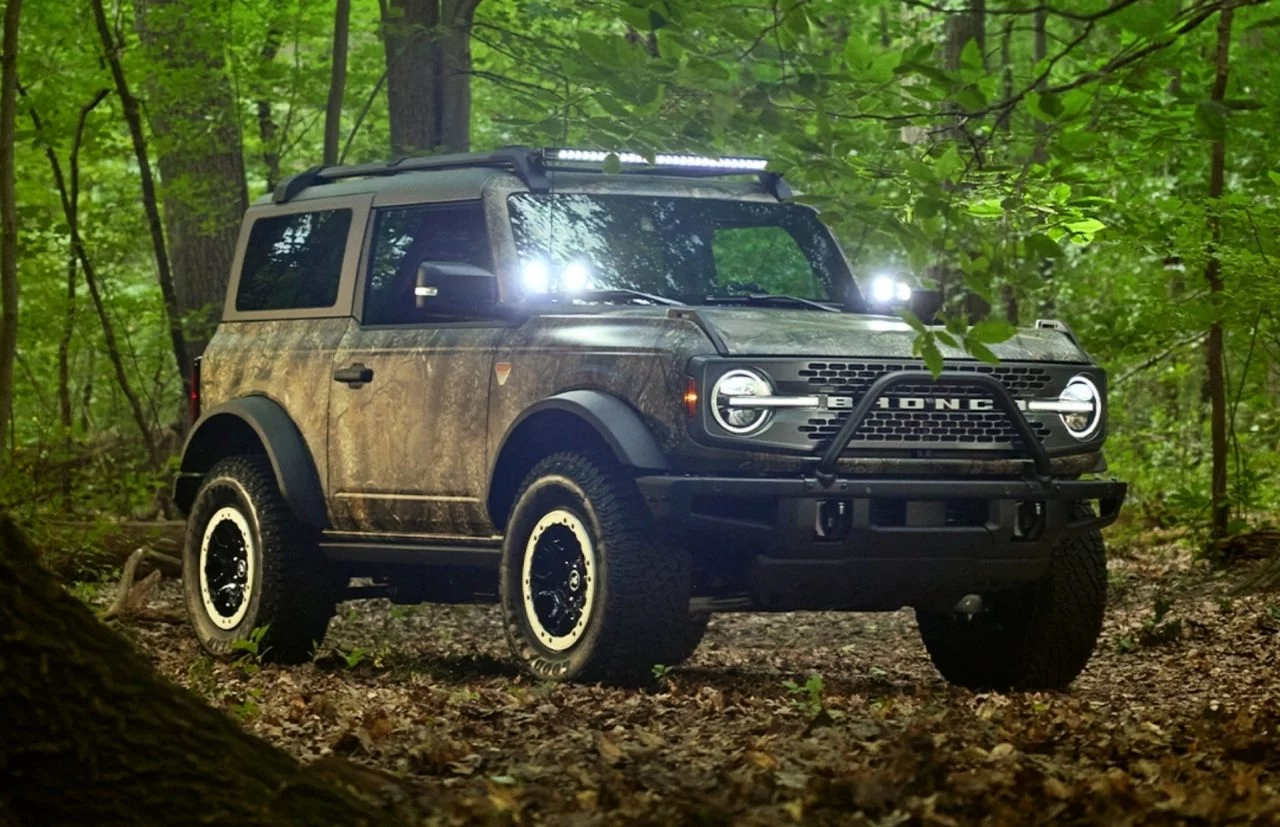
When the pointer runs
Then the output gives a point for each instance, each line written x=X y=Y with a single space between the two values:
x=897 y=426
x=855 y=377
x=934 y=427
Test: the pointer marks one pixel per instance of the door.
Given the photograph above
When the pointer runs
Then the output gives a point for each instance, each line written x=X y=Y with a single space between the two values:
x=409 y=401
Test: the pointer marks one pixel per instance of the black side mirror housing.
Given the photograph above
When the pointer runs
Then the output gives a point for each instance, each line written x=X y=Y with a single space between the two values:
x=925 y=304
x=455 y=288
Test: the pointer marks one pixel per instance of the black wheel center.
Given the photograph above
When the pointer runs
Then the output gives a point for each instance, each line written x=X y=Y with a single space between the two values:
x=559 y=582
x=226 y=568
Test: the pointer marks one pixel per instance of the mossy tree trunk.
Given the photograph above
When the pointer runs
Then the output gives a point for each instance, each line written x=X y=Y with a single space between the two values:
x=91 y=735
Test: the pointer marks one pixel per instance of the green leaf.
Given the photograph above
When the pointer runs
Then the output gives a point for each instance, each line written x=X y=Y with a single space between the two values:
x=931 y=355
x=992 y=331
x=1086 y=226
x=987 y=208
x=1040 y=245
x=612 y=164
x=981 y=351
x=913 y=320
x=1274 y=176
x=1048 y=104
x=948 y=162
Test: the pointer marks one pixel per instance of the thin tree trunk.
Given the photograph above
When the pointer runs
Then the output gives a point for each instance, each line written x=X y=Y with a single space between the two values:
x=337 y=82
x=92 y=735
x=196 y=129
x=1219 y=505
x=8 y=211
x=267 y=128
x=151 y=204
x=69 y=197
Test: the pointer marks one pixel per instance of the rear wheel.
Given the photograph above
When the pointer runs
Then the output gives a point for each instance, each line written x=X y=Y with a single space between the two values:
x=250 y=564
x=587 y=592
x=1038 y=636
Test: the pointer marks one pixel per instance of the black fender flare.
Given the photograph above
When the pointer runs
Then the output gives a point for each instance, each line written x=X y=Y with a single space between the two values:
x=282 y=443
x=615 y=422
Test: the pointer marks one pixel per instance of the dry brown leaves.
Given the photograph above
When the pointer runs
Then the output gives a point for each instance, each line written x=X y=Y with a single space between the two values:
x=1175 y=721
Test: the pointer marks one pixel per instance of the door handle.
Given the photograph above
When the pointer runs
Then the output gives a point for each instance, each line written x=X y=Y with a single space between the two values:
x=357 y=374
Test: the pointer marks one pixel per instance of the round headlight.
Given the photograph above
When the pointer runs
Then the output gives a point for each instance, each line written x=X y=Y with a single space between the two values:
x=1083 y=394
x=730 y=393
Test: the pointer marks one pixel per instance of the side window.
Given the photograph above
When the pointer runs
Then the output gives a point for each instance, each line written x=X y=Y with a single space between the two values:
x=403 y=239
x=763 y=259
x=294 y=261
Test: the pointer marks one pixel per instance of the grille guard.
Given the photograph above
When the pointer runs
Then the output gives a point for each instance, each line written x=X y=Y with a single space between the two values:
x=1004 y=401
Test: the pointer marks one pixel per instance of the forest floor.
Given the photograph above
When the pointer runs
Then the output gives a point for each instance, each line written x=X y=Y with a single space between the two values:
x=1176 y=719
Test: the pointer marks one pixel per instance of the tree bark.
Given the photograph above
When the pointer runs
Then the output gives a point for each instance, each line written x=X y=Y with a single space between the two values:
x=150 y=203
x=8 y=211
x=1219 y=506
x=93 y=736
x=193 y=118
x=428 y=51
x=337 y=82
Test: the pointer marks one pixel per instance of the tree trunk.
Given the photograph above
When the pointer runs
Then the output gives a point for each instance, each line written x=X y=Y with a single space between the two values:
x=428 y=51
x=70 y=198
x=1219 y=505
x=150 y=203
x=8 y=211
x=93 y=736
x=337 y=82
x=267 y=129
x=193 y=118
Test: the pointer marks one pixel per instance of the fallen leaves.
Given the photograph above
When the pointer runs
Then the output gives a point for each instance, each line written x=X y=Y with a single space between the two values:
x=1184 y=729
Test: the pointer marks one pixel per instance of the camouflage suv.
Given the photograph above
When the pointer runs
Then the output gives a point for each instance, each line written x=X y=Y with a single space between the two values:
x=615 y=403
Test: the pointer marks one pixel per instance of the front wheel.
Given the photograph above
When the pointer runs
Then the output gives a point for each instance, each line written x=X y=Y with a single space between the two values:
x=1038 y=636
x=250 y=565
x=588 y=592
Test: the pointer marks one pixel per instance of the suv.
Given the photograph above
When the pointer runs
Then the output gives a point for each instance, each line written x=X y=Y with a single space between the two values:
x=614 y=397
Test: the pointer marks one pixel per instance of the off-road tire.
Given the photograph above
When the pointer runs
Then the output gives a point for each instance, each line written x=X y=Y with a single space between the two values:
x=686 y=641
x=641 y=586
x=1035 y=637
x=291 y=590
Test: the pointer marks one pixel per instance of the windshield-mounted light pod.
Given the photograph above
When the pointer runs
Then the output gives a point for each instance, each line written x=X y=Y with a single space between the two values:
x=728 y=396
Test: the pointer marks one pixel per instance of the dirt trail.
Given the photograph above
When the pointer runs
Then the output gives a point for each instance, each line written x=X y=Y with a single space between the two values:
x=1176 y=719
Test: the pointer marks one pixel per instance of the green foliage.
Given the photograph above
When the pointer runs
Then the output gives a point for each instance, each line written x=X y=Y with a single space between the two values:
x=252 y=651
x=1072 y=186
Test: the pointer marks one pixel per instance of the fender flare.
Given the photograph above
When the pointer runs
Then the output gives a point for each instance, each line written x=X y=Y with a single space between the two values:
x=613 y=420
x=282 y=442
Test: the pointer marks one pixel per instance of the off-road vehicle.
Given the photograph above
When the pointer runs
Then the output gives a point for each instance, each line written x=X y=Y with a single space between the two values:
x=615 y=402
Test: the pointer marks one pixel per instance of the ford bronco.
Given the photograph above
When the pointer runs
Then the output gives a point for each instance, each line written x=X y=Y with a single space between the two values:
x=615 y=395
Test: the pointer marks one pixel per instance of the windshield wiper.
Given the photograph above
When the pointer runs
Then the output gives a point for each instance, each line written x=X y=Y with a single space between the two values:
x=618 y=294
x=770 y=298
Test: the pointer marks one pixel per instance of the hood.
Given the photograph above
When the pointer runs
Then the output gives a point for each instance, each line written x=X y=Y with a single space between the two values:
x=750 y=331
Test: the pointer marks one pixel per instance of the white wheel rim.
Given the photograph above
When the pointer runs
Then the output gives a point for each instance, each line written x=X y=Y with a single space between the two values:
x=226 y=595
x=558 y=610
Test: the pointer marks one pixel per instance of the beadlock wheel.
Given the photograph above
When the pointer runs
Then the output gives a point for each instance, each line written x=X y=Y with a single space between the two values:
x=558 y=579
x=226 y=567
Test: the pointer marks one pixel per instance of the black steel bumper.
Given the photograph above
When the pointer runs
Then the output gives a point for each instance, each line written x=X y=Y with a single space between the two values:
x=824 y=542
x=878 y=544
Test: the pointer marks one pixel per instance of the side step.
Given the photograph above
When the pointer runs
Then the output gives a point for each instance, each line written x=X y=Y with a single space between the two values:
x=424 y=553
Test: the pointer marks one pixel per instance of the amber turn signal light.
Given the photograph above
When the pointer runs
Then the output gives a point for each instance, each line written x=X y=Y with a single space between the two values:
x=691 y=396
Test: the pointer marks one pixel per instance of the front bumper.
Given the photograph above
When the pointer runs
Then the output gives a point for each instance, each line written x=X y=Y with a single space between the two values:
x=874 y=543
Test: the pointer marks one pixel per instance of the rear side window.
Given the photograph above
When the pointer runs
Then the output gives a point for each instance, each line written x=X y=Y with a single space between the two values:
x=294 y=261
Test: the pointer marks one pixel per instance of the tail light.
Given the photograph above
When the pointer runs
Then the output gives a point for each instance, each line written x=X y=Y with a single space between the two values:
x=193 y=397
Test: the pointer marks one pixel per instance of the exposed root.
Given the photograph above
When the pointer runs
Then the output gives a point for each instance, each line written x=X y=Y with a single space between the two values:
x=132 y=598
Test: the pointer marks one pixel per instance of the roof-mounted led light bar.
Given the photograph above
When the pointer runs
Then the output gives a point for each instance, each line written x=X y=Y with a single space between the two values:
x=531 y=165
x=664 y=159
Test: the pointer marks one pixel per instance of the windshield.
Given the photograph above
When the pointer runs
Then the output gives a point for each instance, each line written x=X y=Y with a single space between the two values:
x=691 y=250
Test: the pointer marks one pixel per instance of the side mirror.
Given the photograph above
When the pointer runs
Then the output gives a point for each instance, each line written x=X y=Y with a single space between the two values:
x=455 y=288
x=925 y=304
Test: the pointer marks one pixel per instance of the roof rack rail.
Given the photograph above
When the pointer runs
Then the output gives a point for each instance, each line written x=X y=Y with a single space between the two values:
x=531 y=165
